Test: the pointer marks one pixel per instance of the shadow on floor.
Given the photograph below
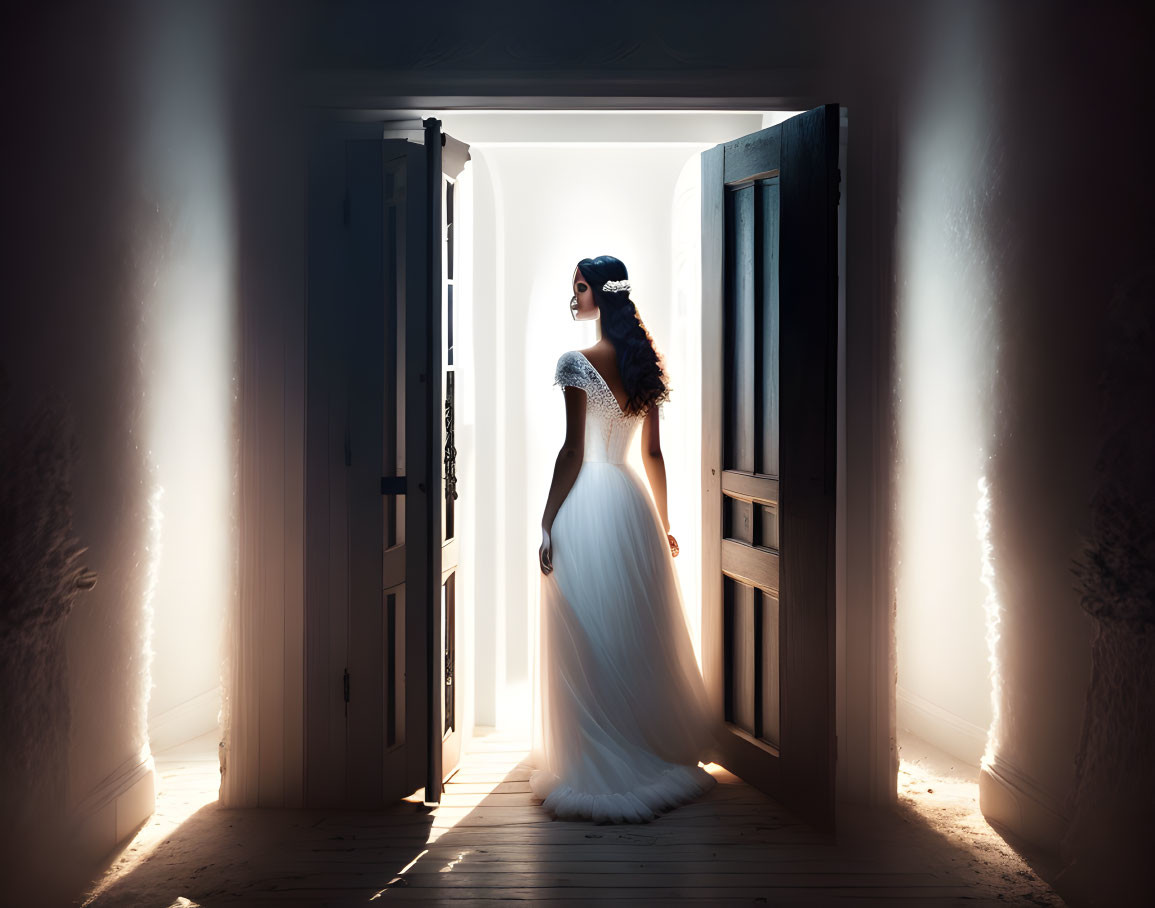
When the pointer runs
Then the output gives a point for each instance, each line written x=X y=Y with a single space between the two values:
x=491 y=841
x=223 y=856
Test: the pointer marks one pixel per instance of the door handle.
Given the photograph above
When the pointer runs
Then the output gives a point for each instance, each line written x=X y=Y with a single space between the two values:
x=392 y=485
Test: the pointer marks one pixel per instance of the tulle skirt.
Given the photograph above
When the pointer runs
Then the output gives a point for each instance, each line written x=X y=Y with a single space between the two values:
x=622 y=717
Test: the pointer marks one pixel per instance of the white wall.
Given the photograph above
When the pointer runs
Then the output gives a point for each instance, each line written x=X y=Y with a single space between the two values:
x=189 y=358
x=540 y=209
x=946 y=337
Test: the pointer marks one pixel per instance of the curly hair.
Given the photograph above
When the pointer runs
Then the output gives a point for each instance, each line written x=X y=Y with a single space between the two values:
x=641 y=366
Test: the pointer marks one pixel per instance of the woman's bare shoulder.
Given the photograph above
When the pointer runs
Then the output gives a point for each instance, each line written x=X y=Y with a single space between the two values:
x=603 y=356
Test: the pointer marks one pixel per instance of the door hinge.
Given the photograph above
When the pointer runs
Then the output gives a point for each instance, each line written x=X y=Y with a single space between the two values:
x=392 y=485
x=346 y=685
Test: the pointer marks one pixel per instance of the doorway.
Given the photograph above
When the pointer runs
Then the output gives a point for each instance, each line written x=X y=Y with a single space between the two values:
x=544 y=189
x=864 y=697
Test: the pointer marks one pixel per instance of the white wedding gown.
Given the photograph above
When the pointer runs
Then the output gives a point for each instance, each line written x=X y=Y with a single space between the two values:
x=622 y=715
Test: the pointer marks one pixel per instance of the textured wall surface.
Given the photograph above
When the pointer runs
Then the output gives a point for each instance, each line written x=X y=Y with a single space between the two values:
x=40 y=573
x=103 y=203
x=79 y=240
x=1043 y=226
x=947 y=315
x=188 y=357
x=1065 y=241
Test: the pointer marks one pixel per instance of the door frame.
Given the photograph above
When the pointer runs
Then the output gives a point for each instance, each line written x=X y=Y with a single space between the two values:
x=864 y=626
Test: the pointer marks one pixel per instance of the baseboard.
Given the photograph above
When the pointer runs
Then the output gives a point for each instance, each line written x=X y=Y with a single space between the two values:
x=120 y=804
x=189 y=720
x=940 y=727
x=1008 y=797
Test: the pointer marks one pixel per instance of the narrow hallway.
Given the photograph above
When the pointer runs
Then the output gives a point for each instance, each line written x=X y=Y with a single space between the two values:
x=489 y=841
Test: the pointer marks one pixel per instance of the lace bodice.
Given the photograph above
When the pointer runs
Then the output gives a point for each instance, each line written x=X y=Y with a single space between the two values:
x=609 y=431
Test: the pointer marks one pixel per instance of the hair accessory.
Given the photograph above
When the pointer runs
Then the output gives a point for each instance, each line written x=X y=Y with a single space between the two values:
x=615 y=286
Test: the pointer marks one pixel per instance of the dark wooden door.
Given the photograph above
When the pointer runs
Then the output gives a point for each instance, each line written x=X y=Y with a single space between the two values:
x=769 y=335
x=373 y=464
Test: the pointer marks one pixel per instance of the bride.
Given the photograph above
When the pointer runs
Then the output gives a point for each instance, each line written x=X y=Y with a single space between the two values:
x=623 y=715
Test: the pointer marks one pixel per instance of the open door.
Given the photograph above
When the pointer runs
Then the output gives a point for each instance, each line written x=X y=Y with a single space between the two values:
x=769 y=336
x=375 y=653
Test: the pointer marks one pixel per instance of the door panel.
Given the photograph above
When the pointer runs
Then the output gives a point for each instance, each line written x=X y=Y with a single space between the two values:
x=367 y=347
x=769 y=333
x=405 y=645
x=325 y=523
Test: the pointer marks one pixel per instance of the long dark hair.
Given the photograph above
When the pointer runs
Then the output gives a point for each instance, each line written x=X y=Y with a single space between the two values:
x=641 y=366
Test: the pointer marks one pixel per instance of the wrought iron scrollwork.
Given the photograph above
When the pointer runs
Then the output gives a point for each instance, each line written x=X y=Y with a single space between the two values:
x=450 y=450
x=449 y=698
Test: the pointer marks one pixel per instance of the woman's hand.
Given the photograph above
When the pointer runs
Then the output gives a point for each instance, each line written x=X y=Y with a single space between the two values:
x=673 y=545
x=545 y=552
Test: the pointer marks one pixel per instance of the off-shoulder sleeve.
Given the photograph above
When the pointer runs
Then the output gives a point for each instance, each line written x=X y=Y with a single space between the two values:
x=570 y=371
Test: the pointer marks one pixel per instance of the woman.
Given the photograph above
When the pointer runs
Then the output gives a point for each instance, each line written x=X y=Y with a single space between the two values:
x=623 y=716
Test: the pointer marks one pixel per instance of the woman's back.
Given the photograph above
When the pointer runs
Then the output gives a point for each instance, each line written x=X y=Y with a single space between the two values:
x=608 y=431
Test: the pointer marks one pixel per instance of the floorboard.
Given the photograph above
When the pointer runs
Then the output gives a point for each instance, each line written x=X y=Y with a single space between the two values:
x=490 y=841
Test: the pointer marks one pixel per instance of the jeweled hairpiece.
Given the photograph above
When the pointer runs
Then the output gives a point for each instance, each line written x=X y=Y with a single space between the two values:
x=615 y=286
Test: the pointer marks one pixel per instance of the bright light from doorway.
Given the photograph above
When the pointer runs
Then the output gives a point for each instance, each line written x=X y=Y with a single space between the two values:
x=549 y=188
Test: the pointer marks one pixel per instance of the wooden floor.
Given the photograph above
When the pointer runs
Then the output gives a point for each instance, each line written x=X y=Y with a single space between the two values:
x=489 y=841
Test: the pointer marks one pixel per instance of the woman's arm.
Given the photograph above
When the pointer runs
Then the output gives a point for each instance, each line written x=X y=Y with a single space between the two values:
x=565 y=469
x=655 y=463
